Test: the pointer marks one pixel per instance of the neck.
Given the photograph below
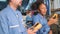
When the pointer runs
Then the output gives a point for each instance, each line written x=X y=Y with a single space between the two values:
x=12 y=6
x=41 y=13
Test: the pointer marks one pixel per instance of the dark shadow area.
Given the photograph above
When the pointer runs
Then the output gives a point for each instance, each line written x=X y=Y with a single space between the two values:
x=2 y=5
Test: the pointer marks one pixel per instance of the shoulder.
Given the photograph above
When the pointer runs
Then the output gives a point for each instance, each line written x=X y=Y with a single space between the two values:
x=19 y=12
x=4 y=11
x=36 y=16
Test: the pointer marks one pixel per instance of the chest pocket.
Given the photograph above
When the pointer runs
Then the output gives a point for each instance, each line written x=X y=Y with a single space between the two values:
x=13 y=21
x=43 y=21
x=14 y=25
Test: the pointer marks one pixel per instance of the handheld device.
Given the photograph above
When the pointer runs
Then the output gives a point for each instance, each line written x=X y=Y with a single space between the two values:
x=36 y=26
x=55 y=16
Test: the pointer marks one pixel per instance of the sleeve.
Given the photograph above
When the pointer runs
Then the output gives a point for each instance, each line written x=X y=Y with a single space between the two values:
x=47 y=29
x=3 y=25
x=23 y=28
x=25 y=32
x=27 y=18
x=35 y=19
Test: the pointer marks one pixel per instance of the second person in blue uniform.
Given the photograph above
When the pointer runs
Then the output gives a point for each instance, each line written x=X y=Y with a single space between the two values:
x=40 y=18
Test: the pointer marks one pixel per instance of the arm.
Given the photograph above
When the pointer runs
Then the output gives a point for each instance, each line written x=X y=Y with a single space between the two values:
x=28 y=31
x=3 y=26
x=35 y=22
x=50 y=32
x=46 y=29
x=52 y=21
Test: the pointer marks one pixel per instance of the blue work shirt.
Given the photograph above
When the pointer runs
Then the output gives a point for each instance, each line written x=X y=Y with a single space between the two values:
x=29 y=21
x=28 y=18
x=11 y=22
x=42 y=20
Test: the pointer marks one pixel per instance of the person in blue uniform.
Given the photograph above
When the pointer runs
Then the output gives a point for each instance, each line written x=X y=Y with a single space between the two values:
x=11 y=21
x=41 y=18
x=29 y=18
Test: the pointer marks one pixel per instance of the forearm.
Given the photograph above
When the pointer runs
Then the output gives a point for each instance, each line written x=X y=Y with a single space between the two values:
x=44 y=33
x=49 y=23
x=50 y=32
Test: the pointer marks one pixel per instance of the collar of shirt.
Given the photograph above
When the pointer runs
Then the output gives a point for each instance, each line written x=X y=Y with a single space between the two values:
x=41 y=15
x=14 y=11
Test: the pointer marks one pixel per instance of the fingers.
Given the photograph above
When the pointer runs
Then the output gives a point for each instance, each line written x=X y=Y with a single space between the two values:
x=53 y=21
x=30 y=31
